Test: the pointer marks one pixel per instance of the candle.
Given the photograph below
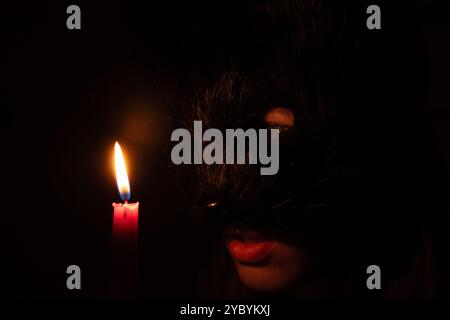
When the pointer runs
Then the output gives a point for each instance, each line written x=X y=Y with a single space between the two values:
x=125 y=234
x=125 y=220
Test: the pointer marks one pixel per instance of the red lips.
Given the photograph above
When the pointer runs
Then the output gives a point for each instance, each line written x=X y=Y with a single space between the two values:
x=250 y=252
x=249 y=246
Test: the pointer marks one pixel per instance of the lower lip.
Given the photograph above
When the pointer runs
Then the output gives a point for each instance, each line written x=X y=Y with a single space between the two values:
x=250 y=252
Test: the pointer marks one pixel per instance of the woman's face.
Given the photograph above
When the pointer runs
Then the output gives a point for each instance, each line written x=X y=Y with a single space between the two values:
x=263 y=262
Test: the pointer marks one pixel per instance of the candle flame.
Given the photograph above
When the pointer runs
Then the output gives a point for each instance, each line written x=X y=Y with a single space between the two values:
x=121 y=173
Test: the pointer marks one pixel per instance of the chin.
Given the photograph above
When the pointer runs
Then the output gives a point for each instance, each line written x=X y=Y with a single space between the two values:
x=270 y=279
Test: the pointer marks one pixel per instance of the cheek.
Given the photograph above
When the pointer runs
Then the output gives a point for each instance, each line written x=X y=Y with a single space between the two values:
x=286 y=265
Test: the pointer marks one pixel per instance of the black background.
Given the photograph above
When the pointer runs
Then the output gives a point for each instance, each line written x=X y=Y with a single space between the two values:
x=70 y=94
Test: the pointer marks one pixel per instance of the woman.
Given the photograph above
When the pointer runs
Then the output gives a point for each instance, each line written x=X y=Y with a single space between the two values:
x=349 y=183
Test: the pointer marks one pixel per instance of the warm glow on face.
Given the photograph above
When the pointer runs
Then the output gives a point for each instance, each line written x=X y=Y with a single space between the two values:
x=121 y=173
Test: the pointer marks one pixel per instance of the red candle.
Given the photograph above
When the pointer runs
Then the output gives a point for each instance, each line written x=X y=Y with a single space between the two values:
x=125 y=223
x=125 y=234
